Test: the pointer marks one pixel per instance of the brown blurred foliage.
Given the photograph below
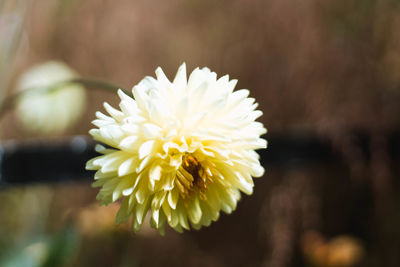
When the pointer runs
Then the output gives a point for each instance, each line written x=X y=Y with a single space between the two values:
x=324 y=66
x=327 y=65
x=341 y=251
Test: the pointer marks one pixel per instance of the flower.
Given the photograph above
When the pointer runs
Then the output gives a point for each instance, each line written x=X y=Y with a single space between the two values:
x=182 y=150
x=49 y=111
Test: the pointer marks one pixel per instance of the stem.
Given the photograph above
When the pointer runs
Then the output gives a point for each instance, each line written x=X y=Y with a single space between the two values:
x=88 y=83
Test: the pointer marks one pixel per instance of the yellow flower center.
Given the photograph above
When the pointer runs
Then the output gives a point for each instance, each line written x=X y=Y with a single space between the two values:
x=191 y=177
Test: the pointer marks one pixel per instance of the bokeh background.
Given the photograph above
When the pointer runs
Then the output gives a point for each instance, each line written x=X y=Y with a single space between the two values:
x=327 y=68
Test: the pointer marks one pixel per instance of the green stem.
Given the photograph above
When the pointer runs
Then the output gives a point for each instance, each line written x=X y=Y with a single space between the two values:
x=88 y=83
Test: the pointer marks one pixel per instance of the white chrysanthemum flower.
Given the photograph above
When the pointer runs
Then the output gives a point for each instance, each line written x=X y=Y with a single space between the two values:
x=182 y=150
x=45 y=111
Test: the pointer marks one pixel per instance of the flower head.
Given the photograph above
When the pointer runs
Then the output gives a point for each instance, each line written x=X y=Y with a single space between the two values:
x=182 y=150
x=49 y=111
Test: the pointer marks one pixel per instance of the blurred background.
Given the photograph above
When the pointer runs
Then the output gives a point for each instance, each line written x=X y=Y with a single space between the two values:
x=326 y=69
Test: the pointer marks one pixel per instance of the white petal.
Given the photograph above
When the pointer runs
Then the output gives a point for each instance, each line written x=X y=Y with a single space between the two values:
x=101 y=116
x=238 y=96
x=151 y=130
x=180 y=78
x=143 y=164
x=182 y=108
x=130 y=128
x=162 y=78
x=146 y=148
x=116 y=114
x=128 y=191
x=128 y=105
x=243 y=184
x=129 y=143
x=257 y=170
x=140 y=97
x=117 y=193
x=154 y=175
x=127 y=167
x=102 y=123
x=101 y=175
x=91 y=166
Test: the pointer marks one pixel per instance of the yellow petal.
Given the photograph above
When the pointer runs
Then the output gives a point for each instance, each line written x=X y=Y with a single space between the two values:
x=173 y=197
x=194 y=212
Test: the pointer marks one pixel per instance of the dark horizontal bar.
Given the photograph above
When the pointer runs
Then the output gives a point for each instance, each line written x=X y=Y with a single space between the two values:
x=45 y=161
x=59 y=161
